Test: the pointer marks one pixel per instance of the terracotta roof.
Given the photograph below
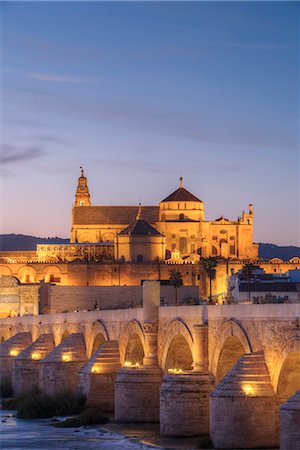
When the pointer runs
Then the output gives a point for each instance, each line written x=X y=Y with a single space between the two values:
x=140 y=228
x=181 y=195
x=123 y=215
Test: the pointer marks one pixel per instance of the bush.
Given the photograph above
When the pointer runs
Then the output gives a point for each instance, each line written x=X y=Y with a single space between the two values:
x=36 y=405
x=6 y=388
x=90 y=416
x=68 y=403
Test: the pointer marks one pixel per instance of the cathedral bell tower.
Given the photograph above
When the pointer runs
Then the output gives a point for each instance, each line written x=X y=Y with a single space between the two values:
x=82 y=197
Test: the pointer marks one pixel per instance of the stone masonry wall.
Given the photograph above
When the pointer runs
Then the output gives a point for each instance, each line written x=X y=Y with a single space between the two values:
x=69 y=298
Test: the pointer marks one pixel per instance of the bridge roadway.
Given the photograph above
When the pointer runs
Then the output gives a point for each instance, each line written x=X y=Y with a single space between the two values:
x=179 y=365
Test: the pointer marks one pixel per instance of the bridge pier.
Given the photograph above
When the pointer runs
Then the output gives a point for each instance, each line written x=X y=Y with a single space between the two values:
x=137 y=395
x=184 y=404
x=184 y=398
x=137 y=389
x=243 y=407
x=26 y=366
x=9 y=350
x=59 y=369
x=97 y=377
x=290 y=423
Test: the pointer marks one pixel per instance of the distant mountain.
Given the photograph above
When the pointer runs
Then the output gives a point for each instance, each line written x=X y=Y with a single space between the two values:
x=11 y=242
x=269 y=251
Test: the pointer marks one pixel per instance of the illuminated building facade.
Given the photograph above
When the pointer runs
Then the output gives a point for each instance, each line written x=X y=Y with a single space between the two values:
x=176 y=226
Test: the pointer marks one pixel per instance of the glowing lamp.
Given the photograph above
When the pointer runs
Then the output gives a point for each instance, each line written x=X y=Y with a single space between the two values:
x=95 y=369
x=127 y=364
x=248 y=390
x=14 y=352
x=66 y=358
x=36 y=356
x=175 y=371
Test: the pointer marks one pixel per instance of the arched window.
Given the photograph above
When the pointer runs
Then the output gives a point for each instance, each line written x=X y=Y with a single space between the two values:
x=181 y=216
x=182 y=245
x=81 y=203
x=214 y=250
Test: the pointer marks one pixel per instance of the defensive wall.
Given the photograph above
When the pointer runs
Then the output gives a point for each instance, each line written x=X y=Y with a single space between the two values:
x=187 y=366
x=130 y=274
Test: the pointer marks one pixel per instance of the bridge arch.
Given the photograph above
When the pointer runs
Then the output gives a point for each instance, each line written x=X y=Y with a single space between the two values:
x=231 y=343
x=95 y=337
x=286 y=376
x=178 y=334
x=132 y=343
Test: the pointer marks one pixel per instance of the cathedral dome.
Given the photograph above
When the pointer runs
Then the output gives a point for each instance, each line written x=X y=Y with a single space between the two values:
x=181 y=195
x=140 y=228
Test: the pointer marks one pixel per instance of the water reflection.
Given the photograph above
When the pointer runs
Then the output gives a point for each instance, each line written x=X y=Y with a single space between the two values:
x=20 y=434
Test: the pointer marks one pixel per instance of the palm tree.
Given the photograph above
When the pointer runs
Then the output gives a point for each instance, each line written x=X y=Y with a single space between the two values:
x=176 y=280
x=247 y=271
x=209 y=266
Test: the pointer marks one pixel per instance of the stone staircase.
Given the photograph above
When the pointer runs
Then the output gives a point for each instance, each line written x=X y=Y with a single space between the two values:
x=97 y=376
x=38 y=349
x=244 y=403
x=249 y=377
x=105 y=360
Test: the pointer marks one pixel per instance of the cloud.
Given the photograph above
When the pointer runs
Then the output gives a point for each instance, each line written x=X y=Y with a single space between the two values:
x=11 y=154
x=57 y=78
x=164 y=167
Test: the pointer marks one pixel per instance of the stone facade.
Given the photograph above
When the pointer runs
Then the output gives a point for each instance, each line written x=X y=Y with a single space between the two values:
x=26 y=366
x=269 y=336
x=97 y=377
x=239 y=404
x=290 y=423
x=59 y=370
x=137 y=395
x=184 y=404
x=17 y=299
x=179 y=218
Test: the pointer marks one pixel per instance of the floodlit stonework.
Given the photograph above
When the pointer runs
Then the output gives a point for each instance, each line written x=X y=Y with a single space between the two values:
x=160 y=363
x=290 y=423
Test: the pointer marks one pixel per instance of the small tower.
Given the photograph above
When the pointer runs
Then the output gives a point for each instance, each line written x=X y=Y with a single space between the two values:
x=82 y=197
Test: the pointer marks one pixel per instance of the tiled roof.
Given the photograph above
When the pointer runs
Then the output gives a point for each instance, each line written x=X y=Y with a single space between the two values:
x=181 y=195
x=123 y=215
x=140 y=228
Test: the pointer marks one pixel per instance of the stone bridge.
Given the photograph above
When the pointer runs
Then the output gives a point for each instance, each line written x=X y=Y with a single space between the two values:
x=180 y=365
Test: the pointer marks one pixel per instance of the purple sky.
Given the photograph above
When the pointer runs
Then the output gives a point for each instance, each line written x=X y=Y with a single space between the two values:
x=142 y=93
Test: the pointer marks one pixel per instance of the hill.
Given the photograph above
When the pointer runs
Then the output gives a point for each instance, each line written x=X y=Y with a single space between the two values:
x=11 y=242
x=269 y=251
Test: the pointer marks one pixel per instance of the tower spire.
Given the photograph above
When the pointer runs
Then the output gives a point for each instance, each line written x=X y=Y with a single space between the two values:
x=82 y=197
x=180 y=182
x=139 y=214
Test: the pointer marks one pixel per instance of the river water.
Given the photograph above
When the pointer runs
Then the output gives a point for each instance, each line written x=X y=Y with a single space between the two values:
x=21 y=434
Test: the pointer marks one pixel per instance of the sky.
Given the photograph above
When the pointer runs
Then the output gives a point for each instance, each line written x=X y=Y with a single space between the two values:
x=141 y=93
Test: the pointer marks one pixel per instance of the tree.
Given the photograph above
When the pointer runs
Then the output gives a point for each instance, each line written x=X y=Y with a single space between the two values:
x=209 y=266
x=176 y=280
x=247 y=272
